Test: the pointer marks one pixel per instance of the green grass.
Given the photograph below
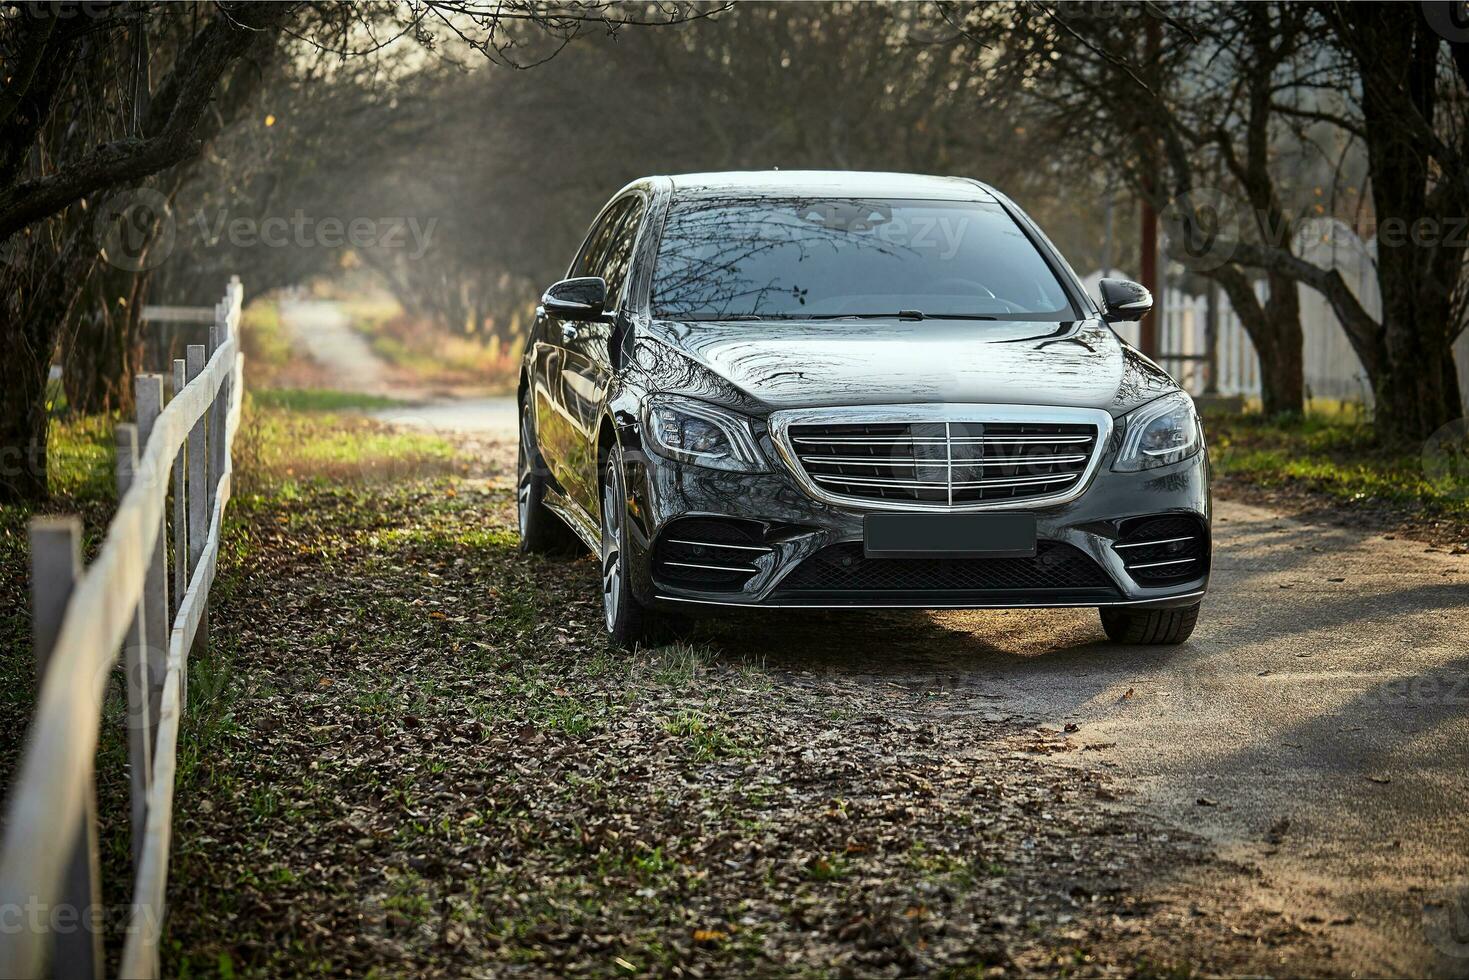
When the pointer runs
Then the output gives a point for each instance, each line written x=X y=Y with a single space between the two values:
x=319 y=400
x=263 y=338
x=1335 y=455
x=283 y=443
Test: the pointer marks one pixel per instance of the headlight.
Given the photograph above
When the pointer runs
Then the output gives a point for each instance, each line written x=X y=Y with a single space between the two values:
x=699 y=433
x=1163 y=431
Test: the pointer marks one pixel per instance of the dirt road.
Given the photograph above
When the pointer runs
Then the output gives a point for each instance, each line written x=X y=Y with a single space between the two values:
x=1315 y=729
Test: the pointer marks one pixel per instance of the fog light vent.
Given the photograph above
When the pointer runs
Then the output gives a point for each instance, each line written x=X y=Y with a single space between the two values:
x=1164 y=549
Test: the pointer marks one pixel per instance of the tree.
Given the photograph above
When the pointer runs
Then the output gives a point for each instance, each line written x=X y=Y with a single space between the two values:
x=1185 y=122
x=81 y=118
x=1406 y=104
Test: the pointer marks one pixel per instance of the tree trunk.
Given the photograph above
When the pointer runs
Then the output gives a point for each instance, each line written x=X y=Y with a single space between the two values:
x=38 y=289
x=1417 y=391
x=23 y=425
x=103 y=350
x=1282 y=365
x=1274 y=327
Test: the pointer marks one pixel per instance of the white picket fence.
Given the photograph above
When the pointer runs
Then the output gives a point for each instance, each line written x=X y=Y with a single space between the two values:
x=83 y=622
x=1331 y=367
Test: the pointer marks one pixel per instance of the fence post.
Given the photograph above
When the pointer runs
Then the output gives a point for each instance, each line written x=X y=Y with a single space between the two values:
x=135 y=665
x=148 y=389
x=180 y=503
x=199 y=497
x=56 y=563
x=217 y=334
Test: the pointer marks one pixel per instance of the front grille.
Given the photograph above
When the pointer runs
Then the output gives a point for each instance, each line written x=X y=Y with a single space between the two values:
x=708 y=554
x=1058 y=570
x=944 y=463
x=1162 y=550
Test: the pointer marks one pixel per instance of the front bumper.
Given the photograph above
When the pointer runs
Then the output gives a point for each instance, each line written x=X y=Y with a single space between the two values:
x=796 y=526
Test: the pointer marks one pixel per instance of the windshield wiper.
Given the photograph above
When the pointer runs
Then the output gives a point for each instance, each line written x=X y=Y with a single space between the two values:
x=901 y=315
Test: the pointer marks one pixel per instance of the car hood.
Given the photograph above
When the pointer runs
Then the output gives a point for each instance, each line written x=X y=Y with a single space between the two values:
x=753 y=365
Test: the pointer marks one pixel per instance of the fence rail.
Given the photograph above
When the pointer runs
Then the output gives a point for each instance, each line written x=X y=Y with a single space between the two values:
x=84 y=621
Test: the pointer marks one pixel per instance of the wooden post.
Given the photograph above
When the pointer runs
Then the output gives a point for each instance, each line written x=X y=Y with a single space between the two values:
x=217 y=409
x=1211 y=339
x=135 y=666
x=180 y=503
x=56 y=563
x=199 y=496
x=148 y=394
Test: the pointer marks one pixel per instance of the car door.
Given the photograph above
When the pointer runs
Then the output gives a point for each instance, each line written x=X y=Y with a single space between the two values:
x=556 y=423
x=586 y=367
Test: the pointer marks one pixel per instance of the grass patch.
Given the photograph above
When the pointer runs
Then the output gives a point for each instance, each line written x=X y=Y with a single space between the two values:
x=319 y=400
x=279 y=448
x=705 y=740
x=1335 y=455
x=263 y=340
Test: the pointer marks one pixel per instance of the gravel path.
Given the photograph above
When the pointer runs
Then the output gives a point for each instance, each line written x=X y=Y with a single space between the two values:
x=323 y=330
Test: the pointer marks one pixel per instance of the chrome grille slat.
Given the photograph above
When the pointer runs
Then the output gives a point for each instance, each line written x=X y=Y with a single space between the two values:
x=721 y=544
x=948 y=461
x=953 y=463
x=743 y=569
x=878 y=481
x=1160 y=564
x=1149 y=544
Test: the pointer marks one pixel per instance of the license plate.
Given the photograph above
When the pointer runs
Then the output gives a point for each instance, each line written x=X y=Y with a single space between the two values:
x=949 y=535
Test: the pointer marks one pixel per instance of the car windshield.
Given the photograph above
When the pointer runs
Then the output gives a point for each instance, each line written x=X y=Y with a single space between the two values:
x=774 y=258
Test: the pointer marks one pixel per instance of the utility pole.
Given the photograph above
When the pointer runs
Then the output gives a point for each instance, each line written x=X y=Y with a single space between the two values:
x=1148 y=239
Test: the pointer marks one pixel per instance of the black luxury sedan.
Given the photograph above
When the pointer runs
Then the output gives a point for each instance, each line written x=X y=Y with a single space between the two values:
x=831 y=389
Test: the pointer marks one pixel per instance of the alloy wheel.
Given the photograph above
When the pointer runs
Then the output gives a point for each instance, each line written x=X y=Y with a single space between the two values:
x=523 y=479
x=611 y=545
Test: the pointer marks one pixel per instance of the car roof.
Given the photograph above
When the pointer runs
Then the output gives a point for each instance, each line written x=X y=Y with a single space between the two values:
x=846 y=183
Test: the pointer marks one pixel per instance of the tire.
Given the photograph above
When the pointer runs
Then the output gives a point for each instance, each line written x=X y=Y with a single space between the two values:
x=1160 y=627
x=628 y=622
x=541 y=532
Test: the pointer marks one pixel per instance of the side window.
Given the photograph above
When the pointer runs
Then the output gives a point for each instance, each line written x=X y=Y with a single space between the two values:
x=617 y=258
x=590 y=259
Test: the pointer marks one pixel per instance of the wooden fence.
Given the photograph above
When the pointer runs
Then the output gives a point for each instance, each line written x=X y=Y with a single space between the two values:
x=84 y=621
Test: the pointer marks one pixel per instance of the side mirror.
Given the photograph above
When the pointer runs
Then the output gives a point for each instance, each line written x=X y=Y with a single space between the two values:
x=1124 y=301
x=576 y=299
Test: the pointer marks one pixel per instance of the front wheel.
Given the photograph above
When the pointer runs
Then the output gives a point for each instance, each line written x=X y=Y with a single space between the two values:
x=1163 y=627
x=627 y=620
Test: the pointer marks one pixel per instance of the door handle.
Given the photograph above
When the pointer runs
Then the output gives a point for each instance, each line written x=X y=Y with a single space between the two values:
x=568 y=332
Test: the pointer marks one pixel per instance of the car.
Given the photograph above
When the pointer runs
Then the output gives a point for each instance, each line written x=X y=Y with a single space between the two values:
x=854 y=390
